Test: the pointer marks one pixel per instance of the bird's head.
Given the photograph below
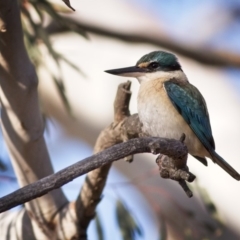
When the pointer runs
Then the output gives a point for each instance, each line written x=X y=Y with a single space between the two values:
x=151 y=66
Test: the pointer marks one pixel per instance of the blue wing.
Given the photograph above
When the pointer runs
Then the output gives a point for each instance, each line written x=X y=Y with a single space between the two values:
x=191 y=105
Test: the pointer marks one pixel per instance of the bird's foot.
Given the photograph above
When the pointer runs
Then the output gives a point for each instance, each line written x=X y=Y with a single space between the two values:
x=182 y=138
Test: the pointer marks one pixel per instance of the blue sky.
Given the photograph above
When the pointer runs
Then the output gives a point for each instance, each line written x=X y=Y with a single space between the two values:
x=180 y=16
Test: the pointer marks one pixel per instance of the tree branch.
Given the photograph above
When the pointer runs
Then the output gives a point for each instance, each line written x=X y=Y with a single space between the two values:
x=197 y=53
x=170 y=147
x=95 y=181
x=123 y=128
x=22 y=122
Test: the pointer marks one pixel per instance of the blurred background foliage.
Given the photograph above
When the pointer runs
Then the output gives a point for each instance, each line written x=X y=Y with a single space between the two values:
x=36 y=15
x=41 y=18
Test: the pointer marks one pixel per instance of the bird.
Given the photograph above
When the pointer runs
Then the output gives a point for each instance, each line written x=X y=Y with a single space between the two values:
x=169 y=105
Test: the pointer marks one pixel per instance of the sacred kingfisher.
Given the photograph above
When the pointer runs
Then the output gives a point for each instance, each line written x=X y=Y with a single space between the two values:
x=168 y=106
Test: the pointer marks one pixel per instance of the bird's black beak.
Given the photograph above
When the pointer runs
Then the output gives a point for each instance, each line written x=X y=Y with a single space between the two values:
x=128 y=71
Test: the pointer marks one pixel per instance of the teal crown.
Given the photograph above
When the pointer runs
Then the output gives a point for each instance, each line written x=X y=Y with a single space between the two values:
x=166 y=61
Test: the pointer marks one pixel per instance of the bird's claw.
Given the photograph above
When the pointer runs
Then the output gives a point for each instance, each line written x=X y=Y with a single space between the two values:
x=182 y=138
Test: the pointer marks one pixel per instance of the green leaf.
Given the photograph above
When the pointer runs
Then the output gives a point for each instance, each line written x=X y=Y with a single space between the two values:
x=67 y=2
x=163 y=228
x=72 y=65
x=129 y=228
x=61 y=90
x=35 y=32
x=99 y=228
x=2 y=166
x=217 y=225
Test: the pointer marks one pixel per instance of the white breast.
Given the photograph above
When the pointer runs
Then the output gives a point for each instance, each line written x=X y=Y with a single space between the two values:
x=161 y=119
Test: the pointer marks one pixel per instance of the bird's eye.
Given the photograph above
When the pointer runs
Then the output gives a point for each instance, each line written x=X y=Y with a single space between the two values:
x=153 y=65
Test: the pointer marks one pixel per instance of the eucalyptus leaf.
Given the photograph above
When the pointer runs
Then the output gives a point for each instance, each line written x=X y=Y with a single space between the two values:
x=35 y=33
x=99 y=227
x=127 y=224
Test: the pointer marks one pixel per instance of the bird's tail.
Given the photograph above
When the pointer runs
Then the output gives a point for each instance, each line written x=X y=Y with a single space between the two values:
x=224 y=165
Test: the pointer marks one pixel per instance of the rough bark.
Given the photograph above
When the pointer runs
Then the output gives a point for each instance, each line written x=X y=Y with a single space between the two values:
x=122 y=129
x=73 y=219
x=22 y=123
x=172 y=148
x=92 y=188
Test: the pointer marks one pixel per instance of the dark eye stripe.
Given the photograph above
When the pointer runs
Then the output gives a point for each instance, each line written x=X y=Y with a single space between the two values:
x=153 y=65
